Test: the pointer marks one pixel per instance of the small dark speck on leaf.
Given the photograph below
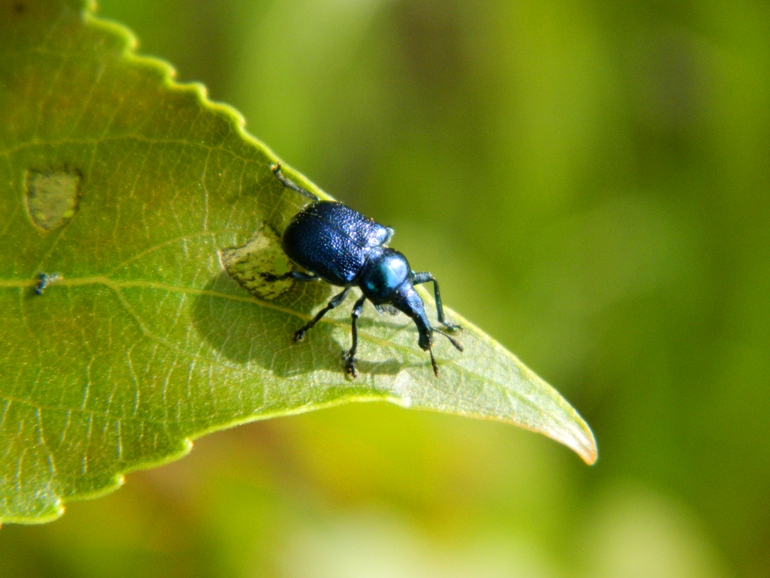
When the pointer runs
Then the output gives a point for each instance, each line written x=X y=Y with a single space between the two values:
x=45 y=281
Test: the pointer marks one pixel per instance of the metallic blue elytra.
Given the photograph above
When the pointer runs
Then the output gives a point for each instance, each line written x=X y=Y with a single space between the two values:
x=341 y=246
x=332 y=241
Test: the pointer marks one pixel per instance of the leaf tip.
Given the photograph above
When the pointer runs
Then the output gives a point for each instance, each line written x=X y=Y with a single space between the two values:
x=590 y=453
x=583 y=443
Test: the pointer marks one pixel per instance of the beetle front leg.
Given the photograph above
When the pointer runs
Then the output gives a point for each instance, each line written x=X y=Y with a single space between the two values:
x=299 y=335
x=350 y=356
x=425 y=277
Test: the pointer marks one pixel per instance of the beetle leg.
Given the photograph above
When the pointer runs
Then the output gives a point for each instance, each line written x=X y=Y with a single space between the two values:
x=289 y=184
x=350 y=356
x=299 y=335
x=426 y=277
x=296 y=275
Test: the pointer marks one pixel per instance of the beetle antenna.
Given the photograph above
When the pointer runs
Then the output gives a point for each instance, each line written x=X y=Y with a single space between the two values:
x=457 y=344
x=433 y=361
x=289 y=184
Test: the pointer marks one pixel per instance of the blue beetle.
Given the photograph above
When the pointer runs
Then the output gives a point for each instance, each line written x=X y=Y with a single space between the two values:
x=341 y=246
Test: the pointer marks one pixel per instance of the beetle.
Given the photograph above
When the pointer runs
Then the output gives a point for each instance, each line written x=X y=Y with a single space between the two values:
x=339 y=245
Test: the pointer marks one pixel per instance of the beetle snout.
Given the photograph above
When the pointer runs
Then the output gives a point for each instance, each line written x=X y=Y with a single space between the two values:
x=425 y=341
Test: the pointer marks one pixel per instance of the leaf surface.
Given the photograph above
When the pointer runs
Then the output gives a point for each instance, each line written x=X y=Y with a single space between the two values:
x=124 y=188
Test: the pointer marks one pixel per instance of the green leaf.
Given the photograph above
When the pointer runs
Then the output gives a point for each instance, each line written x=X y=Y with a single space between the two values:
x=126 y=189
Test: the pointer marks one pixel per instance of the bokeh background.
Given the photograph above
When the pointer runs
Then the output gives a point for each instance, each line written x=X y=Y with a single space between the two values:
x=590 y=182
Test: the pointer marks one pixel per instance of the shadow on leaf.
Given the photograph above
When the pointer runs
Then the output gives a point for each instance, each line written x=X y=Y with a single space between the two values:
x=247 y=333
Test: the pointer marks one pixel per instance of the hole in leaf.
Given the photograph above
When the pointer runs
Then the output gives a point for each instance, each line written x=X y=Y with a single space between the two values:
x=52 y=197
x=261 y=254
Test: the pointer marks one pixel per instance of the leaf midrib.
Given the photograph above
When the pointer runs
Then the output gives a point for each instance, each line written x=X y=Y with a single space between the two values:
x=117 y=286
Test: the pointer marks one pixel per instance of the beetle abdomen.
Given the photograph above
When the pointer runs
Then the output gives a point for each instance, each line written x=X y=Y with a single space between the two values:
x=332 y=240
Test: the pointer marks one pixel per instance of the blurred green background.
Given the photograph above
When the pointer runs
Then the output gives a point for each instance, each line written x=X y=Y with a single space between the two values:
x=590 y=183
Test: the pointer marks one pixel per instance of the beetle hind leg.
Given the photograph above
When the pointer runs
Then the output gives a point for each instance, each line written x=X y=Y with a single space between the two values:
x=289 y=184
